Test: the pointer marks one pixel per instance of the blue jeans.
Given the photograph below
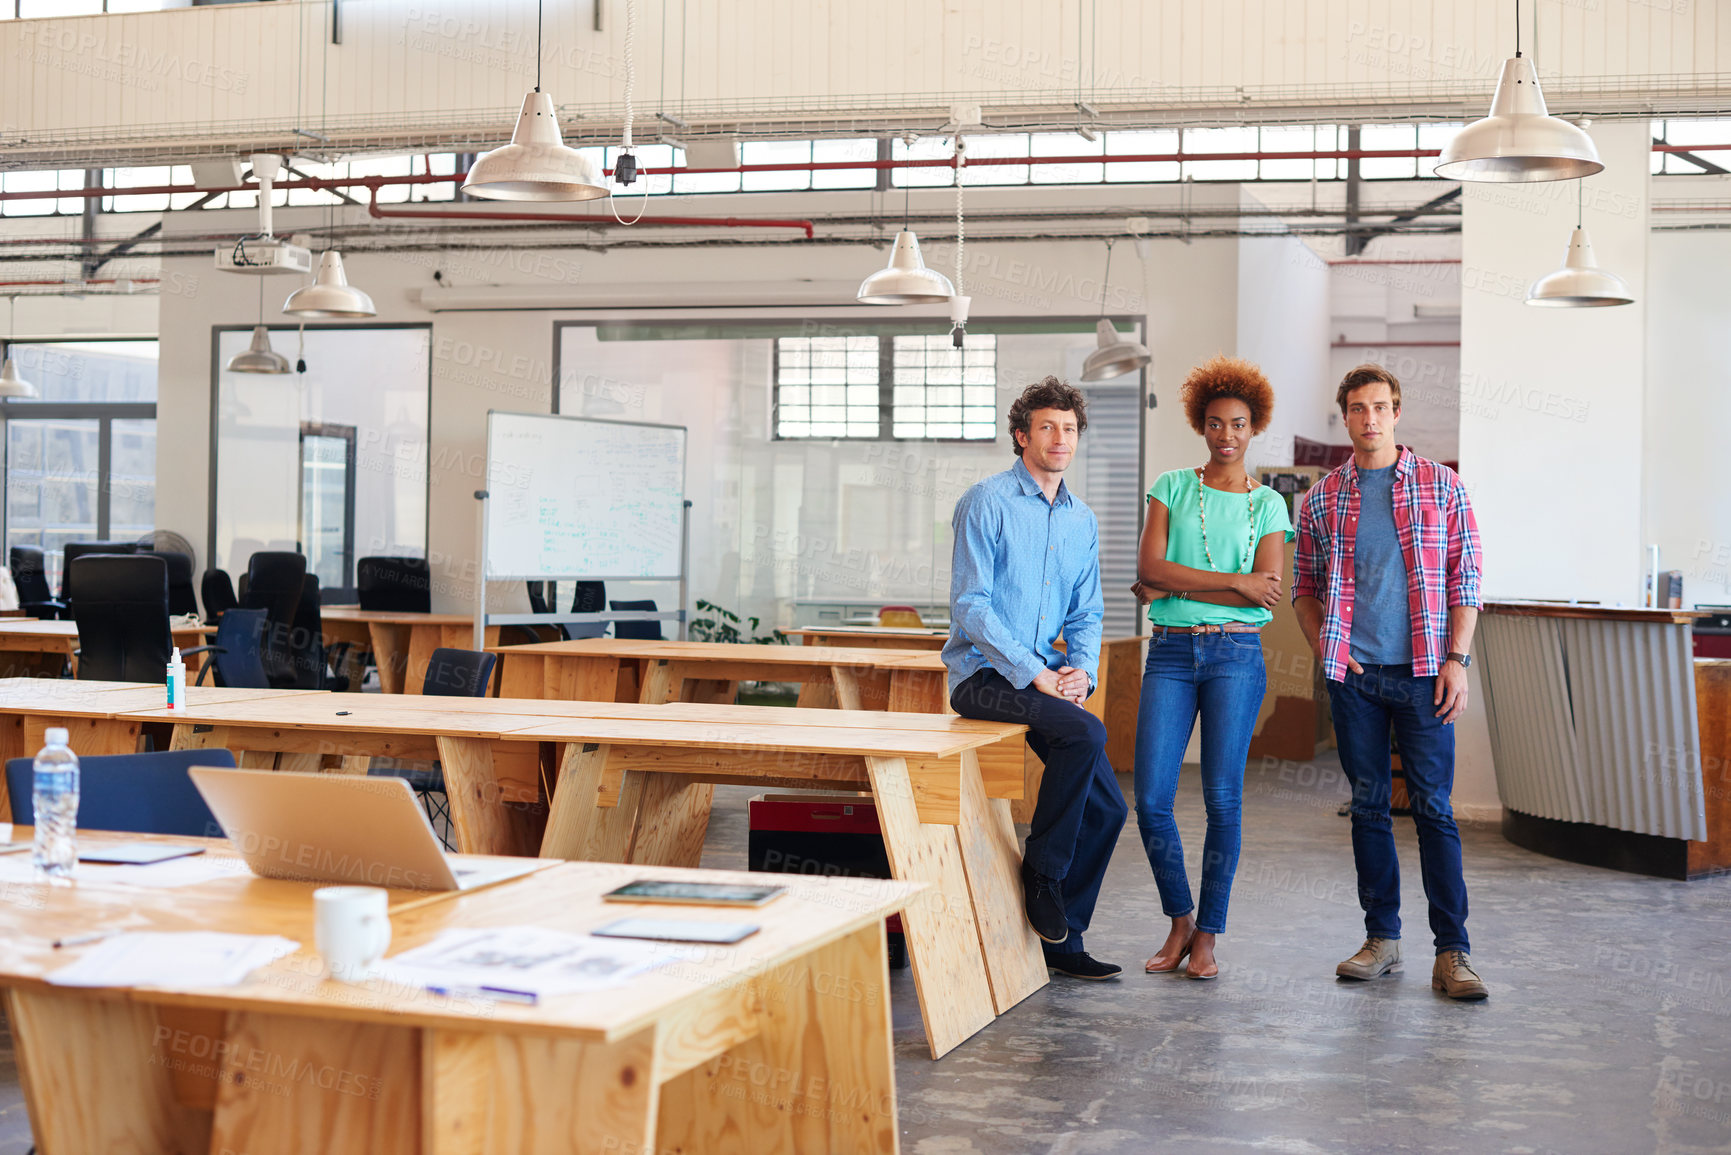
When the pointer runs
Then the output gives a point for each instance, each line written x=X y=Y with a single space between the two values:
x=1366 y=706
x=1081 y=806
x=1222 y=676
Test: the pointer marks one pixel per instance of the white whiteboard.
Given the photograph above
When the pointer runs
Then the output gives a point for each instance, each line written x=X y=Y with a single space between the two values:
x=574 y=497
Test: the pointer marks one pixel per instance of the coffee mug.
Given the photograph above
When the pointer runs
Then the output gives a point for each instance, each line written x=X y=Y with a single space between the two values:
x=352 y=928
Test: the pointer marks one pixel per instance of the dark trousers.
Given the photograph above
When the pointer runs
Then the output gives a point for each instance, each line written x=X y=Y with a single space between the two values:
x=1366 y=706
x=1081 y=808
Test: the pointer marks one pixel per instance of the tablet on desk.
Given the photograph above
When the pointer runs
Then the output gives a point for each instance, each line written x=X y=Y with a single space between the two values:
x=677 y=930
x=137 y=853
x=694 y=893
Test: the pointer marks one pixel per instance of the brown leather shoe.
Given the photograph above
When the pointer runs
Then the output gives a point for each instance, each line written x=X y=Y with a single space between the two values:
x=1378 y=956
x=1453 y=974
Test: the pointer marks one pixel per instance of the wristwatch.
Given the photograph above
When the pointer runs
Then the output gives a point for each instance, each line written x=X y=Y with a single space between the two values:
x=1465 y=660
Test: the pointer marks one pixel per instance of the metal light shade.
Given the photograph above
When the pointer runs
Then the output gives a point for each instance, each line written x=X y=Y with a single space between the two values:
x=1580 y=283
x=260 y=358
x=536 y=165
x=906 y=280
x=1115 y=356
x=1519 y=140
x=12 y=385
x=330 y=294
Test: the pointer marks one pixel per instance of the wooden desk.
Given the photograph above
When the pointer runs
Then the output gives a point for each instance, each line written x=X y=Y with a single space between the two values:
x=401 y=643
x=634 y=784
x=287 y=1062
x=871 y=637
x=30 y=648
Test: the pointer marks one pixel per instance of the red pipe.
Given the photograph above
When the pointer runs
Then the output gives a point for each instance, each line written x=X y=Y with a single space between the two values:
x=1391 y=261
x=593 y=222
x=96 y=281
x=1395 y=345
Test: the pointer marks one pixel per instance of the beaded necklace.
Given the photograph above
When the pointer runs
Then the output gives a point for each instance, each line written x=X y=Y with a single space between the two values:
x=1249 y=534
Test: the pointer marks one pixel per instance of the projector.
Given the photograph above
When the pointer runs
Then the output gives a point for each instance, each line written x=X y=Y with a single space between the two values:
x=264 y=255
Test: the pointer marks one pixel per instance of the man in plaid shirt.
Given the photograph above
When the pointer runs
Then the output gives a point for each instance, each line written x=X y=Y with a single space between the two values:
x=1386 y=588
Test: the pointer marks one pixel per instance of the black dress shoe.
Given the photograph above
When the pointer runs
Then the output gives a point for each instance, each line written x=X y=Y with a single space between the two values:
x=1044 y=902
x=1082 y=965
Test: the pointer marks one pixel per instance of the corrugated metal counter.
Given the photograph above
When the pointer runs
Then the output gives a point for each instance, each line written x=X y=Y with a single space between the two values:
x=1593 y=722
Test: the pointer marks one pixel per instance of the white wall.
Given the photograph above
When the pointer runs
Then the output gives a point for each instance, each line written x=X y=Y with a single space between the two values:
x=1283 y=326
x=1687 y=506
x=1552 y=402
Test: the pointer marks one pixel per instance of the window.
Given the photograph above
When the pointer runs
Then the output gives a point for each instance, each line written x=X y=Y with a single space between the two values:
x=827 y=387
x=81 y=454
x=944 y=392
x=832 y=387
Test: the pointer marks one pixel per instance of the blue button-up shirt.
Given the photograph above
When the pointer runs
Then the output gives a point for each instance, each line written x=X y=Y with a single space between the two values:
x=1025 y=570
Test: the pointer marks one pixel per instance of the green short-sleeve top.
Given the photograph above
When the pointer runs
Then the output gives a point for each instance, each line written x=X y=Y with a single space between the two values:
x=1230 y=540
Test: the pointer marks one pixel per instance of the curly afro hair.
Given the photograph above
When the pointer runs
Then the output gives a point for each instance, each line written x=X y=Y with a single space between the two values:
x=1224 y=376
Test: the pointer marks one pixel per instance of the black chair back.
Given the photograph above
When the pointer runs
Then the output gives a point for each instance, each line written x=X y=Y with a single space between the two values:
x=637 y=631
x=121 y=607
x=181 y=599
x=590 y=598
x=30 y=574
x=218 y=593
x=274 y=579
x=307 y=643
x=238 y=656
x=538 y=598
x=459 y=673
x=394 y=584
x=134 y=793
x=74 y=550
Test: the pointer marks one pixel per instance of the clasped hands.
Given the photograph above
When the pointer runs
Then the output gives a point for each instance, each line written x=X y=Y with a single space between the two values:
x=1065 y=682
x=1261 y=588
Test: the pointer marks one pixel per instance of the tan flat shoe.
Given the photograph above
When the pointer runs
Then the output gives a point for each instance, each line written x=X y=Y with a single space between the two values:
x=1198 y=975
x=1183 y=953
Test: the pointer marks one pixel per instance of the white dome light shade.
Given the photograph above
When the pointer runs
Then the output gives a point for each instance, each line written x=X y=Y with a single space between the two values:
x=1580 y=283
x=1115 y=356
x=260 y=358
x=1519 y=140
x=11 y=384
x=330 y=294
x=905 y=280
x=536 y=165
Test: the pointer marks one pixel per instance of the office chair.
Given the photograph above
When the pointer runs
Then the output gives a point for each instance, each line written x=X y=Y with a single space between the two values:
x=590 y=598
x=30 y=575
x=181 y=599
x=218 y=593
x=133 y=793
x=394 y=584
x=121 y=606
x=637 y=631
x=450 y=674
x=273 y=584
x=237 y=654
x=77 y=549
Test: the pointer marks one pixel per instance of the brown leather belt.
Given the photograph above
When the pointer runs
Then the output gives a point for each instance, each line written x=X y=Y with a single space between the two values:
x=1220 y=629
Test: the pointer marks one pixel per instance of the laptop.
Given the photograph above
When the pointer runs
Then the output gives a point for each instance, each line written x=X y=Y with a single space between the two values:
x=341 y=828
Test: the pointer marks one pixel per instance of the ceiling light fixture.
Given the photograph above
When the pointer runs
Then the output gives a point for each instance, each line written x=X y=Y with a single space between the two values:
x=330 y=294
x=1115 y=356
x=905 y=280
x=960 y=302
x=259 y=357
x=13 y=386
x=1520 y=140
x=1580 y=283
x=536 y=165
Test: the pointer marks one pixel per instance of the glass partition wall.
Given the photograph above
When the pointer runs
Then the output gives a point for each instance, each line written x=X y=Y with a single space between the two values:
x=331 y=462
x=826 y=458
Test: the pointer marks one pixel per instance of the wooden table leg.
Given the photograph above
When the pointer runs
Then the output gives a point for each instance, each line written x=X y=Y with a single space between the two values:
x=661 y=683
x=292 y=1084
x=818 y=1076
x=593 y=816
x=423 y=640
x=94 y=1079
x=943 y=937
x=672 y=820
x=492 y=1092
x=484 y=819
x=993 y=859
x=390 y=654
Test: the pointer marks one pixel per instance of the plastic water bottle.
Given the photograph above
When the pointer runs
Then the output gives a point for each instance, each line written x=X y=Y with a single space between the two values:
x=55 y=800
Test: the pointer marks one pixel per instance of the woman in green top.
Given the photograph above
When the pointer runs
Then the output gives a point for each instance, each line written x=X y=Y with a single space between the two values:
x=1211 y=566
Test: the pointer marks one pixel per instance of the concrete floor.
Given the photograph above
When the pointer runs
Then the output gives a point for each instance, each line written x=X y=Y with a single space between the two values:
x=1608 y=1028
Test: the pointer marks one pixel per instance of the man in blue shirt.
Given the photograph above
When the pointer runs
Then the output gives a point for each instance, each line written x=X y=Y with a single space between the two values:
x=1027 y=569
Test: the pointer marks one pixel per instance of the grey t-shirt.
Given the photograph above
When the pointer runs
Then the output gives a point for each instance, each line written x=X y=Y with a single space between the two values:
x=1381 y=619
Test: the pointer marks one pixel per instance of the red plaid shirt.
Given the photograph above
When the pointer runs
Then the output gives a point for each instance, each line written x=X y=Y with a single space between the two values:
x=1438 y=537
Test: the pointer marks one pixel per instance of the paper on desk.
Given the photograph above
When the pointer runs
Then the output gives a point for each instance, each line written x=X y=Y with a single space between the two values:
x=16 y=868
x=531 y=959
x=197 y=958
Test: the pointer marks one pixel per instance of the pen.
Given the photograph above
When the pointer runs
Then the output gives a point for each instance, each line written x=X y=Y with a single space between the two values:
x=500 y=994
x=83 y=939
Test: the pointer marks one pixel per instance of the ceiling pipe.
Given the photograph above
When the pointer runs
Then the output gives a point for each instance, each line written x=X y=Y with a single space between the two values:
x=593 y=222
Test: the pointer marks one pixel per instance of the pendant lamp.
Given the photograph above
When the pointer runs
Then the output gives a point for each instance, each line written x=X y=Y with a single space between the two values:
x=1115 y=356
x=1520 y=140
x=536 y=165
x=905 y=280
x=1580 y=283
x=259 y=357
x=11 y=384
x=330 y=294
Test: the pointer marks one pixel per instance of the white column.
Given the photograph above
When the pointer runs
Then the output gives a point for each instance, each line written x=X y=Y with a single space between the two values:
x=1552 y=399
